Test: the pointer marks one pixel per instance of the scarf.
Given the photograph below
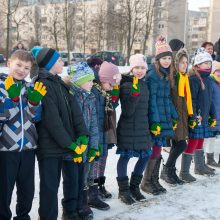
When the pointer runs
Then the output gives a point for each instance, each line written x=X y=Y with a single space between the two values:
x=184 y=90
x=108 y=106
x=217 y=79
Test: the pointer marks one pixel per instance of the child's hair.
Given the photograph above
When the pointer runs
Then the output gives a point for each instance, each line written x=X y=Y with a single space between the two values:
x=22 y=55
x=200 y=78
x=171 y=74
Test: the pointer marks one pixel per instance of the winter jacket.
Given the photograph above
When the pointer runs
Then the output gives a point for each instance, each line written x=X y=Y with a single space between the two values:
x=181 y=133
x=161 y=107
x=86 y=102
x=18 y=132
x=62 y=120
x=133 y=128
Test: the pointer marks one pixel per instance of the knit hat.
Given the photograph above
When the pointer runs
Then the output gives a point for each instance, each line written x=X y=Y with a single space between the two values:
x=92 y=62
x=109 y=73
x=201 y=56
x=45 y=57
x=215 y=66
x=80 y=73
x=176 y=44
x=137 y=60
x=162 y=48
x=182 y=52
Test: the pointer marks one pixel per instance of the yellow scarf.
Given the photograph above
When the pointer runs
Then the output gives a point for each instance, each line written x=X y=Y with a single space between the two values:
x=184 y=91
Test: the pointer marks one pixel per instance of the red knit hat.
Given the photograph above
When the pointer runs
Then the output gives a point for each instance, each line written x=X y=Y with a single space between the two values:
x=162 y=48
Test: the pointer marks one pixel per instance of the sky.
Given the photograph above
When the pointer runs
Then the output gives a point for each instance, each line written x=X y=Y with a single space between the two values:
x=195 y=4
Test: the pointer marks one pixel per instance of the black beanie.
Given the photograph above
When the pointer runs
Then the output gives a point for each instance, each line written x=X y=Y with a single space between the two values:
x=176 y=44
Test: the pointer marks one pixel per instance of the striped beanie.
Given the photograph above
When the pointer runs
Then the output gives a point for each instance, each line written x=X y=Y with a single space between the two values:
x=80 y=73
x=45 y=57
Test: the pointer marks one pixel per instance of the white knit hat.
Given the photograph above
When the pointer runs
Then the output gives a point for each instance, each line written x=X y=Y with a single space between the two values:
x=201 y=56
x=137 y=60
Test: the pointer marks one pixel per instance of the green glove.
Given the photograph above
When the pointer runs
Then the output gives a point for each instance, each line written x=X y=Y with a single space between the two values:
x=135 y=87
x=174 y=124
x=77 y=158
x=75 y=148
x=83 y=141
x=193 y=123
x=155 y=128
x=12 y=88
x=99 y=151
x=35 y=95
x=91 y=154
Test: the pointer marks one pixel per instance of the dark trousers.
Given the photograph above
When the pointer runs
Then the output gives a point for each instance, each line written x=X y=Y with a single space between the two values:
x=73 y=185
x=16 y=168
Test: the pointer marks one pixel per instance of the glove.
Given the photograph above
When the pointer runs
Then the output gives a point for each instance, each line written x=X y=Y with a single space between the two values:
x=155 y=129
x=75 y=147
x=193 y=123
x=135 y=87
x=212 y=122
x=77 y=158
x=35 y=95
x=91 y=154
x=13 y=89
x=174 y=124
x=115 y=93
x=82 y=141
x=99 y=151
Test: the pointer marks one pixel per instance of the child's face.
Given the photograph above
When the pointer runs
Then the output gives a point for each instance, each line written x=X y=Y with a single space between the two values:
x=183 y=64
x=87 y=86
x=205 y=65
x=139 y=71
x=57 y=67
x=165 y=62
x=107 y=86
x=19 y=69
x=217 y=73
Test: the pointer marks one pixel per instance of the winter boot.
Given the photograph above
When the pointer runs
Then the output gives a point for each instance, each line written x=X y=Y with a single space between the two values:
x=185 y=166
x=166 y=175
x=200 y=167
x=70 y=216
x=175 y=177
x=85 y=211
x=95 y=201
x=134 y=187
x=147 y=184
x=211 y=160
x=124 y=191
x=102 y=190
x=156 y=171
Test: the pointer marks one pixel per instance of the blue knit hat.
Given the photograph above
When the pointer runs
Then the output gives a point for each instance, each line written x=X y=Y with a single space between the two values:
x=80 y=73
x=45 y=57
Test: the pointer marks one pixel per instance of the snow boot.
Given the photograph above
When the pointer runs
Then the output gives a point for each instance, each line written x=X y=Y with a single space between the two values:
x=200 y=167
x=211 y=160
x=102 y=190
x=134 y=187
x=95 y=201
x=70 y=216
x=175 y=177
x=85 y=211
x=167 y=175
x=185 y=166
x=124 y=191
x=147 y=184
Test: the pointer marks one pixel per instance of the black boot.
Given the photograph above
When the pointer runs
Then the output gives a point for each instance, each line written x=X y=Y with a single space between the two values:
x=94 y=200
x=85 y=211
x=175 y=177
x=200 y=167
x=70 y=216
x=124 y=191
x=102 y=190
x=147 y=184
x=156 y=171
x=167 y=175
x=134 y=187
x=211 y=160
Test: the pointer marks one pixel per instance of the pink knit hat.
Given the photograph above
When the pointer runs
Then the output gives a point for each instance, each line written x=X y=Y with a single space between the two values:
x=162 y=48
x=109 y=73
x=137 y=60
x=215 y=66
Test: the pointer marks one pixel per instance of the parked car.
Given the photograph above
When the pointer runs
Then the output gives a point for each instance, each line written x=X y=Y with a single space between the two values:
x=75 y=57
x=2 y=58
x=110 y=56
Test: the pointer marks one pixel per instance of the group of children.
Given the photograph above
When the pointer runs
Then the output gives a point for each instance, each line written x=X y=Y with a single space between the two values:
x=70 y=124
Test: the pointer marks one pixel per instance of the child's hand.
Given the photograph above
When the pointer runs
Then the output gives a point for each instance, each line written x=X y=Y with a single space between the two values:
x=212 y=122
x=82 y=142
x=91 y=154
x=75 y=147
x=155 y=129
x=36 y=95
x=192 y=123
x=115 y=93
x=174 y=124
x=135 y=87
x=77 y=158
x=12 y=88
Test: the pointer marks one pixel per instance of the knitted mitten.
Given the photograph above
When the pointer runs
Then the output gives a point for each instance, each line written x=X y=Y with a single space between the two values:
x=82 y=141
x=115 y=93
x=135 y=87
x=77 y=158
x=75 y=147
x=91 y=154
x=174 y=124
x=13 y=89
x=155 y=129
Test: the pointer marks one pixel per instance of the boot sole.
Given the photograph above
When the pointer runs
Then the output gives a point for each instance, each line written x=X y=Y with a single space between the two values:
x=102 y=209
x=126 y=203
